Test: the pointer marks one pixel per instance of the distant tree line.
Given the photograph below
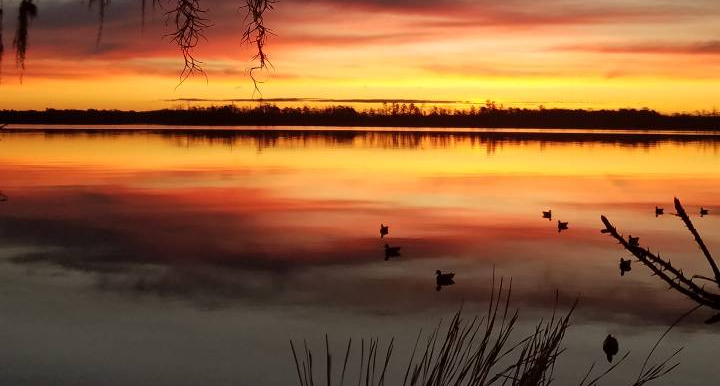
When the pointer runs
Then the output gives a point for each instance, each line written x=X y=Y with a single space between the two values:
x=389 y=115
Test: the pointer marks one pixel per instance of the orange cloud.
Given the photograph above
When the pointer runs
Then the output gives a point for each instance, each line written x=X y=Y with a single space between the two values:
x=374 y=49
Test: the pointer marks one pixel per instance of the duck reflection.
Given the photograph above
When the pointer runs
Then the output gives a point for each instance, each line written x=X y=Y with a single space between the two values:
x=670 y=274
x=391 y=252
x=443 y=279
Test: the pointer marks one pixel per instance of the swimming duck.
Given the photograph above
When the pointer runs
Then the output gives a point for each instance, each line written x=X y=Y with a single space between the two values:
x=547 y=215
x=624 y=266
x=562 y=226
x=384 y=229
x=633 y=241
x=659 y=211
x=704 y=212
x=391 y=252
x=611 y=347
x=443 y=279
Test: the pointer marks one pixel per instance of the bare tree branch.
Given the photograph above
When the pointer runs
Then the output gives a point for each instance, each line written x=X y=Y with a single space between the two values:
x=686 y=219
x=672 y=276
x=189 y=21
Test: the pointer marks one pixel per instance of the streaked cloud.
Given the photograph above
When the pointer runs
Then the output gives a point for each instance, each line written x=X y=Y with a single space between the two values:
x=374 y=49
x=711 y=47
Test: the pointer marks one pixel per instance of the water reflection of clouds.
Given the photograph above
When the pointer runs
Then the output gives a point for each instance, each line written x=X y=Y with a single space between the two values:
x=147 y=214
x=263 y=249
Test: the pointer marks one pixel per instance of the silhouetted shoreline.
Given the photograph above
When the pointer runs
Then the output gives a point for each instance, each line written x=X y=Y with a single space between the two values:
x=394 y=115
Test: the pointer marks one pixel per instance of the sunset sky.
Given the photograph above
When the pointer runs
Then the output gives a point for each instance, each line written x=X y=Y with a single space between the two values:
x=659 y=54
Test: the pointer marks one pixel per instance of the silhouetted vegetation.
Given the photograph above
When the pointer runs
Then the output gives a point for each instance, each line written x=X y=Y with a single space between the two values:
x=26 y=12
x=186 y=16
x=389 y=115
x=674 y=277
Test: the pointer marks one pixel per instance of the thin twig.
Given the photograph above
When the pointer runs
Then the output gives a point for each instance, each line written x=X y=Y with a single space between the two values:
x=686 y=219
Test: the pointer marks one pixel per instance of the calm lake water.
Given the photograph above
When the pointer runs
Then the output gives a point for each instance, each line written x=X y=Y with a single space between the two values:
x=191 y=257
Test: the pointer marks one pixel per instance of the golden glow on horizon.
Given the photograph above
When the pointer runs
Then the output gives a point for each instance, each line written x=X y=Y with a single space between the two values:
x=134 y=93
x=142 y=153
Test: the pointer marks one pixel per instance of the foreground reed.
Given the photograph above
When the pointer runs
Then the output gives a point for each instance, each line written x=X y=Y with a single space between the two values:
x=468 y=352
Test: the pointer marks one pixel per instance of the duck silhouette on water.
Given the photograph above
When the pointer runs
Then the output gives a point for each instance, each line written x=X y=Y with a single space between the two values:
x=624 y=266
x=704 y=212
x=633 y=241
x=384 y=230
x=659 y=211
x=443 y=279
x=547 y=215
x=611 y=347
x=391 y=252
x=562 y=226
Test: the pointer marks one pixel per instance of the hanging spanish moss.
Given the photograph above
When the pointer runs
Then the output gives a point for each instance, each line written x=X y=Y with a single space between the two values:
x=142 y=25
x=143 y=5
x=2 y=47
x=154 y=5
x=256 y=34
x=190 y=21
x=102 y=4
x=26 y=12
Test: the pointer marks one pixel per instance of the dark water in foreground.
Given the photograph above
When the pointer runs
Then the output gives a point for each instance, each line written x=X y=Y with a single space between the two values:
x=192 y=257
